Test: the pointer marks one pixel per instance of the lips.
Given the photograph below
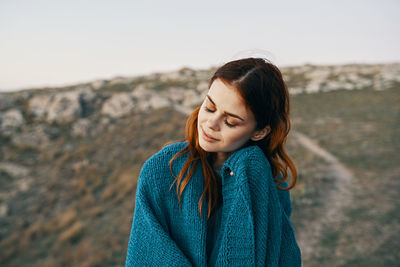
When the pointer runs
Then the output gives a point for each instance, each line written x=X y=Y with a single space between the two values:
x=206 y=135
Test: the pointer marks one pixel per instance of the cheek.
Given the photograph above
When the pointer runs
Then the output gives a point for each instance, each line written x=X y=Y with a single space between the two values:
x=236 y=136
x=200 y=116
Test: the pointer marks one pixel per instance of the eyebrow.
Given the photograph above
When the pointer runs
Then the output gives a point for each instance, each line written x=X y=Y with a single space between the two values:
x=227 y=113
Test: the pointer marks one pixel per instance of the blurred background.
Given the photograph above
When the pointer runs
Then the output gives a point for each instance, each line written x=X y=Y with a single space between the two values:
x=90 y=89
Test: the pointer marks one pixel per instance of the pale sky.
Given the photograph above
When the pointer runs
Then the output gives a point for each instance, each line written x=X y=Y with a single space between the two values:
x=56 y=43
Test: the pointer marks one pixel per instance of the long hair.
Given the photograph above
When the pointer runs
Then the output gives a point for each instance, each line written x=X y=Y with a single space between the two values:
x=261 y=85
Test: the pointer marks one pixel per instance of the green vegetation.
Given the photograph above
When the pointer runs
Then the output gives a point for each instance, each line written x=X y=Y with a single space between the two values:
x=362 y=129
x=78 y=203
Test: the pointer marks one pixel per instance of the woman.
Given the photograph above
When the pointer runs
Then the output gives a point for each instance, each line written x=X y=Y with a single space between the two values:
x=233 y=162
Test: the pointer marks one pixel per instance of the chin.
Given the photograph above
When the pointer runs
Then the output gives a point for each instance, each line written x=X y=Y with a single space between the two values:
x=205 y=146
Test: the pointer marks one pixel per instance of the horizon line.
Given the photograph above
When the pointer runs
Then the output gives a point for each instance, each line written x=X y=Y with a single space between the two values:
x=90 y=80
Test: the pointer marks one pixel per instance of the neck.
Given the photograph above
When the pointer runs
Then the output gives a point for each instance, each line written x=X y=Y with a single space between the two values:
x=219 y=159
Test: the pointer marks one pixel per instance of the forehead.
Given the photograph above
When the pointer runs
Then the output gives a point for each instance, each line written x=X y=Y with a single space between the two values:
x=227 y=98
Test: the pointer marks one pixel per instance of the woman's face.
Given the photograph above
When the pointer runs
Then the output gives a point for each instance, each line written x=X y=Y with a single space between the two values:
x=224 y=118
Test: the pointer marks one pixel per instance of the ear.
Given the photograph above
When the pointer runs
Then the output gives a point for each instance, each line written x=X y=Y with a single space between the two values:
x=260 y=134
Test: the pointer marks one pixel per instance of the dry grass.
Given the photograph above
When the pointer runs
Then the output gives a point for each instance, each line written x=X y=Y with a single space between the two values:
x=62 y=220
x=72 y=233
x=78 y=212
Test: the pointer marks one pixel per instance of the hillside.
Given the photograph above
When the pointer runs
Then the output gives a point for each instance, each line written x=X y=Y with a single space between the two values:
x=70 y=158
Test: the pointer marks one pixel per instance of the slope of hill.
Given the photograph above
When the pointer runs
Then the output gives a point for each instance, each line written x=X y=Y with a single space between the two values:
x=361 y=129
x=69 y=160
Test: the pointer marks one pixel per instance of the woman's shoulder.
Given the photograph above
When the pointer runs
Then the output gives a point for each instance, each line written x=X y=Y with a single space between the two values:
x=166 y=152
x=158 y=163
x=248 y=157
x=251 y=162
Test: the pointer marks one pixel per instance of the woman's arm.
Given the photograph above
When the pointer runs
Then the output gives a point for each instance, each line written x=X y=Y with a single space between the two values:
x=252 y=223
x=149 y=243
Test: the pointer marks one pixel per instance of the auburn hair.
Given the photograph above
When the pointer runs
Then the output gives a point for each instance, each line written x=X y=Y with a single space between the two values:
x=260 y=84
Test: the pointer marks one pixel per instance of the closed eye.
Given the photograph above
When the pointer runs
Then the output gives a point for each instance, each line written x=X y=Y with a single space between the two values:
x=225 y=121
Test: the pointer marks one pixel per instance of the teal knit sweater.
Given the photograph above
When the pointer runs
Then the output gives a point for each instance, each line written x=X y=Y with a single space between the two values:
x=252 y=225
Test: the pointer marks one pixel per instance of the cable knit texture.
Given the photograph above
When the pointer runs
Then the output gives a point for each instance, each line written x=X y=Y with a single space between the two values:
x=252 y=225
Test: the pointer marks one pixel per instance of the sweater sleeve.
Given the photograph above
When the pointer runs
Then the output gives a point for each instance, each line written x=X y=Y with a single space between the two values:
x=252 y=216
x=150 y=243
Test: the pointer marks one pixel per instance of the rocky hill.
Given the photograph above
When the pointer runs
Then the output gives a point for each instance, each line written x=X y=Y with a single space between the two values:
x=70 y=156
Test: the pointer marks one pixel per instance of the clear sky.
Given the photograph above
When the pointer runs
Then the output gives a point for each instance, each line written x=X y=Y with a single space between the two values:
x=55 y=43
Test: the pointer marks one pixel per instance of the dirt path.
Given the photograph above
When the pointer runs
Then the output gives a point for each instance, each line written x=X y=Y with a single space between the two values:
x=334 y=203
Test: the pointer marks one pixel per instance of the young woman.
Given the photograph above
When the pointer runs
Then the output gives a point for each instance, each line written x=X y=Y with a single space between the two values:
x=233 y=163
